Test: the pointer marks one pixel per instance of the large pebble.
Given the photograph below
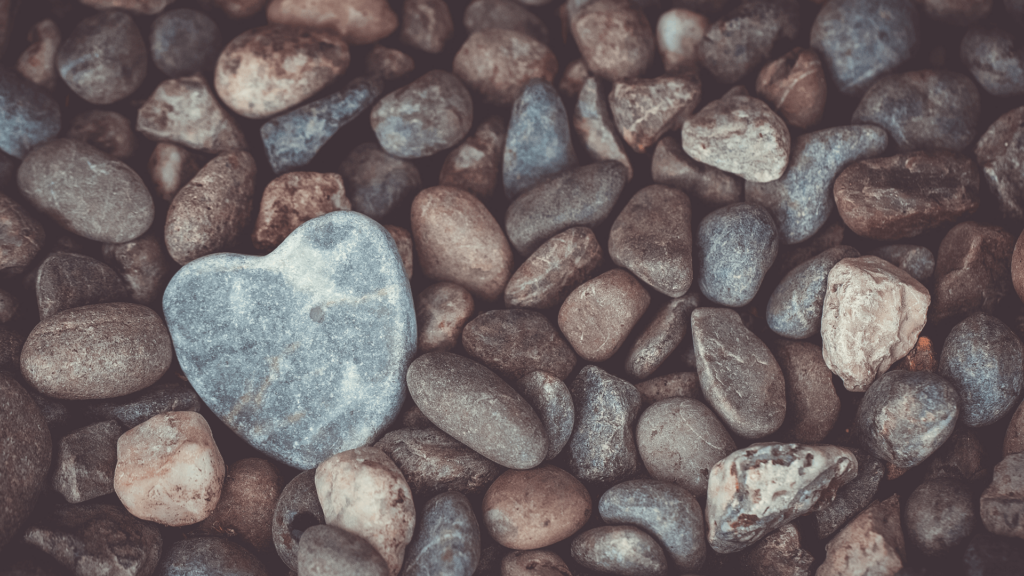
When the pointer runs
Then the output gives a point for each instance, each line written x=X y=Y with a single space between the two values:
x=442 y=311
x=982 y=358
x=554 y=270
x=85 y=462
x=664 y=510
x=795 y=86
x=529 y=509
x=516 y=342
x=651 y=238
x=30 y=116
x=169 y=469
x=184 y=42
x=1002 y=503
x=738 y=374
x=1000 y=152
x=740 y=135
x=499 y=63
x=995 y=58
x=87 y=192
x=104 y=58
x=434 y=462
x=475 y=164
x=185 y=111
x=357 y=21
x=538 y=144
x=297 y=510
x=595 y=127
x=583 y=196
x=477 y=408
x=293 y=199
x=377 y=182
x=66 y=280
x=736 y=245
x=97 y=351
x=247 y=501
x=207 y=555
x=614 y=37
x=621 y=550
x=759 y=488
x=972 y=270
x=852 y=497
x=552 y=401
x=812 y=405
x=645 y=109
x=860 y=40
x=363 y=492
x=680 y=439
x=24 y=456
x=488 y=15
x=706 y=185
x=738 y=43
x=872 y=544
x=134 y=409
x=597 y=317
x=326 y=550
x=905 y=416
x=431 y=114
x=872 y=315
x=602 y=448
x=801 y=200
x=794 y=308
x=660 y=338
x=940 y=515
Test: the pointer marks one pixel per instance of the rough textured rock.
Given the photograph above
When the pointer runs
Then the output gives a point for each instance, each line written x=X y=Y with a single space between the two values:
x=940 y=515
x=107 y=131
x=489 y=15
x=475 y=164
x=431 y=114
x=852 y=497
x=597 y=317
x=442 y=311
x=104 y=58
x=539 y=142
x=679 y=32
x=1003 y=500
x=477 y=408
x=516 y=342
x=426 y=25
x=740 y=378
x=184 y=42
x=66 y=280
x=795 y=86
x=297 y=510
x=434 y=462
x=625 y=550
x=595 y=126
x=448 y=538
x=37 y=63
x=680 y=439
x=529 y=509
x=377 y=182
x=554 y=270
x=24 y=455
x=651 y=238
x=812 y=406
x=85 y=462
x=363 y=492
x=246 y=507
x=185 y=111
x=995 y=59
x=704 y=184
x=551 y=399
x=214 y=555
x=87 y=192
x=645 y=109
x=736 y=245
x=972 y=270
x=905 y=416
x=982 y=358
x=665 y=511
x=918 y=261
x=740 y=135
x=871 y=544
x=858 y=346
x=794 y=308
x=498 y=64
x=357 y=21
x=739 y=42
x=602 y=448
x=759 y=488
x=169 y=469
x=326 y=550
x=293 y=199
x=31 y=115
x=802 y=199
x=1000 y=152
x=613 y=36
x=660 y=338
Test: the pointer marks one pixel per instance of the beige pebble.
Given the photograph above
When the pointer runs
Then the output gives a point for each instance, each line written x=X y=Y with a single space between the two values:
x=246 y=506
x=498 y=63
x=184 y=111
x=171 y=167
x=294 y=198
x=795 y=86
x=357 y=21
x=442 y=310
x=597 y=316
x=529 y=509
x=614 y=37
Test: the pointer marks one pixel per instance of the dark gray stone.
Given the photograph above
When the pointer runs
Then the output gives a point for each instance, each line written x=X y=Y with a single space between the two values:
x=184 y=42
x=28 y=114
x=104 y=59
x=736 y=245
x=433 y=113
x=434 y=462
x=742 y=40
x=622 y=550
x=298 y=509
x=516 y=342
x=995 y=58
x=134 y=409
x=327 y=550
x=940 y=515
x=859 y=40
x=551 y=399
x=664 y=510
x=447 y=539
x=144 y=265
x=983 y=358
x=206 y=555
x=923 y=109
x=602 y=448
x=376 y=181
x=1000 y=153
x=65 y=280
x=852 y=497
x=341 y=333
x=801 y=201
x=539 y=142
x=85 y=462
x=583 y=196
x=905 y=416
x=293 y=138
x=651 y=238
x=11 y=343
x=794 y=308
x=24 y=456
x=991 y=555
x=503 y=14
x=659 y=339
x=959 y=457
x=21 y=236
x=917 y=261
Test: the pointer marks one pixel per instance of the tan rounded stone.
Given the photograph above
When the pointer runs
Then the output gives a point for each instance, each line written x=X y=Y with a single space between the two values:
x=554 y=270
x=795 y=86
x=680 y=440
x=529 y=509
x=498 y=63
x=475 y=165
x=357 y=21
x=294 y=198
x=185 y=111
x=246 y=507
x=614 y=37
x=597 y=316
x=169 y=469
x=442 y=310
x=675 y=385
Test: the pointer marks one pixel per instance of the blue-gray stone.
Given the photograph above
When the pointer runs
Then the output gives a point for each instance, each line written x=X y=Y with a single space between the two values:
x=995 y=58
x=852 y=497
x=801 y=201
x=28 y=115
x=923 y=109
x=983 y=359
x=794 y=308
x=206 y=555
x=302 y=352
x=539 y=142
x=621 y=550
x=293 y=138
x=447 y=538
x=431 y=114
x=736 y=245
x=917 y=261
x=742 y=40
x=603 y=444
x=663 y=509
x=376 y=181
x=859 y=40
x=185 y=42
x=134 y=409
x=104 y=59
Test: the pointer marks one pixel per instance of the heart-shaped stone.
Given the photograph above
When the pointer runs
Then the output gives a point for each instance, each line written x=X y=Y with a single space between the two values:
x=302 y=352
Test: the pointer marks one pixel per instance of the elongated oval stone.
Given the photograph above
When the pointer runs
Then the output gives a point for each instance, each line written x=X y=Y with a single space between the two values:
x=301 y=352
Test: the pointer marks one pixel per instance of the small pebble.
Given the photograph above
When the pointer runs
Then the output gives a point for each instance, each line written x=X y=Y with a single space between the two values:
x=602 y=448
x=488 y=15
x=185 y=111
x=622 y=550
x=551 y=399
x=651 y=238
x=434 y=462
x=292 y=199
x=170 y=168
x=297 y=510
x=65 y=280
x=104 y=59
x=972 y=271
x=475 y=164
x=326 y=550
x=597 y=317
x=85 y=462
x=871 y=544
x=498 y=63
x=1000 y=152
x=917 y=261
x=356 y=21
x=442 y=311
x=679 y=33
x=959 y=457
x=706 y=185
x=433 y=113
x=106 y=131
x=426 y=25
x=614 y=38
x=572 y=78
x=736 y=245
x=981 y=357
x=905 y=416
x=184 y=42
x=940 y=515
x=169 y=469
x=779 y=554
x=530 y=509
x=516 y=342
x=24 y=456
x=251 y=490
x=660 y=338
x=595 y=127
x=554 y=270
x=795 y=86
x=645 y=109
x=209 y=556
x=539 y=142
x=995 y=58
x=795 y=306
x=674 y=385
x=534 y=563
x=1003 y=500
x=21 y=236
x=38 y=63
x=447 y=539
x=388 y=63
x=852 y=497
x=738 y=43
x=377 y=182
x=812 y=406
x=131 y=410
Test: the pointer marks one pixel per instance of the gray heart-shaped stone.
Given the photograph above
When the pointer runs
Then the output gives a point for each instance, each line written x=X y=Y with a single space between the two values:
x=302 y=352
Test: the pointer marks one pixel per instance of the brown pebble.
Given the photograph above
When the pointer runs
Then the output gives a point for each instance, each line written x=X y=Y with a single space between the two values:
x=529 y=509
x=170 y=168
x=614 y=37
x=247 y=500
x=651 y=238
x=647 y=108
x=516 y=342
x=388 y=63
x=554 y=270
x=675 y=385
x=106 y=131
x=185 y=111
x=403 y=240
x=144 y=265
x=572 y=79
x=598 y=315
x=497 y=64
x=442 y=310
x=294 y=198
x=921 y=357
x=1013 y=441
x=426 y=25
x=795 y=86
x=707 y=185
x=21 y=236
x=356 y=21
x=534 y=563
x=38 y=62
x=972 y=271
x=812 y=405
x=475 y=164
x=434 y=462
x=660 y=338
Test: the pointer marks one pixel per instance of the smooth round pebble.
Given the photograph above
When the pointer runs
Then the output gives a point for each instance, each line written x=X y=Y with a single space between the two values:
x=426 y=25
x=431 y=114
x=735 y=247
x=651 y=238
x=538 y=143
x=940 y=515
x=184 y=42
x=552 y=401
x=663 y=509
x=741 y=40
x=66 y=280
x=812 y=405
x=516 y=342
x=794 y=307
x=795 y=86
x=614 y=37
x=434 y=462
x=597 y=317
x=447 y=540
x=356 y=21
x=662 y=336
x=554 y=270
x=982 y=358
x=30 y=115
x=248 y=498
x=107 y=131
x=995 y=58
x=104 y=59
x=529 y=509
x=534 y=563
x=377 y=182
x=622 y=550
x=328 y=551
x=498 y=63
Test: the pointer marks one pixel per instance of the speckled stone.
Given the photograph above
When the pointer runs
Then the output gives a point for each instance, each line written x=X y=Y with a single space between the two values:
x=602 y=448
x=759 y=488
x=645 y=109
x=622 y=550
x=960 y=457
x=860 y=40
x=905 y=416
x=539 y=142
x=434 y=462
x=812 y=405
x=795 y=86
x=802 y=200
x=134 y=409
x=735 y=247
x=982 y=359
x=477 y=408
x=582 y=196
x=143 y=264
x=447 y=539
x=475 y=164
x=917 y=261
x=85 y=462
x=87 y=192
x=995 y=58
x=104 y=59
x=706 y=185
x=529 y=509
x=24 y=455
x=498 y=64
x=293 y=139
x=554 y=270
x=597 y=317
x=738 y=43
x=740 y=378
x=794 y=308
x=660 y=338
x=37 y=63
x=516 y=342
x=533 y=563
x=488 y=15
x=65 y=280
x=852 y=497
x=211 y=556
x=972 y=271
x=1000 y=152
x=872 y=544
x=651 y=238
x=105 y=130
x=326 y=550
x=184 y=42
x=297 y=509
x=357 y=21
x=339 y=258
x=679 y=32
x=377 y=182
x=1003 y=500
x=442 y=311
x=595 y=127
x=551 y=399
x=185 y=111
x=614 y=37
x=251 y=489
x=293 y=199
x=31 y=115
x=664 y=510
x=433 y=113
x=673 y=385
x=940 y=515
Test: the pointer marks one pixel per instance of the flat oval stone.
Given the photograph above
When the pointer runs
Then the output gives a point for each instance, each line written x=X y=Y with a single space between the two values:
x=538 y=144
x=554 y=270
x=602 y=448
x=905 y=416
x=498 y=63
x=297 y=510
x=442 y=311
x=29 y=114
x=706 y=185
x=645 y=109
x=972 y=270
x=736 y=245
x=982 y=359
x=477 y=408
x=516 y=342
x=625 y=550
x=24 y=454
x=269 y=69
x=184 y=42
x=458 y=240
x=552 y=401
x=529 y=509
x=104 y=59
x=999 y=151
x=660 y=338
x=475 y=164
x=97 y=351
x=614 y=37
x=812 y=405
x=594 y=125
x=802 y=199
x=342 y=327
x=326 y=550
x=995 y=59
x=378 y=182
x=434 y=462
x=795 y=86
x=357 y=21
x=292 y=199
x=794 y=308
x=65 y=280
x=597 y=317
x=651 y=238
x=663 y=509
x=216 y=555
x=431 y=114
x=739 y=42
x=679 y=440
x=940 y=515
x=87 y=192
x=185 y=111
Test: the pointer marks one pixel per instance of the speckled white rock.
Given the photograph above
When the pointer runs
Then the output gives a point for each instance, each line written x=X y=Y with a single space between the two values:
x=363 y=492
x=169 y=469
x=872 y=316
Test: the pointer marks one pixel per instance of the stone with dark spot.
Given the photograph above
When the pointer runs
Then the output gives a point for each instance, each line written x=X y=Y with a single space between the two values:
x=65 y=280
x=431 y=114
x=972 y=271
x=210 y=556
x=794 y=307
x=538 y=144
x=651 y=238
x=104 y=59
x=24 y=456
x=184 y=42
x=516 y=342
x=982 y=358
x=738 y=43
x=623 y=550
x=554 y=270
x=735 y=247
x=297 y=509
x=529 y=509
x=376 y=181
x=292 y=199
x=602 y=448
x=434 y=462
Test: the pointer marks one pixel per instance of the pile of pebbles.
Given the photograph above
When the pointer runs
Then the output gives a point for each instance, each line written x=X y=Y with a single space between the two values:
x=516 y=287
